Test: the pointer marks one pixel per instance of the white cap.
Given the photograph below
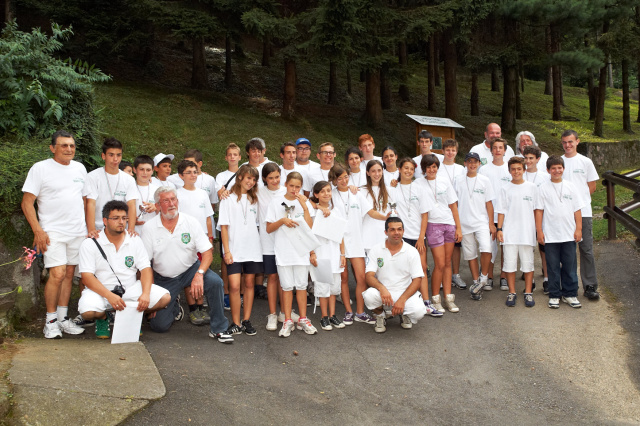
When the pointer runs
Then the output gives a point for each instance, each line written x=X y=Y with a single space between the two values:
x=158 y=158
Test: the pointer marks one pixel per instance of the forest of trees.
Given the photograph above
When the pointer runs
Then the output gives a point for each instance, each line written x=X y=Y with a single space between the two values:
x=579 y=42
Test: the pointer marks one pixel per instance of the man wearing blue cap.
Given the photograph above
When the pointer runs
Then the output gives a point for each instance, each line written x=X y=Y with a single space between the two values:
x=303 y=152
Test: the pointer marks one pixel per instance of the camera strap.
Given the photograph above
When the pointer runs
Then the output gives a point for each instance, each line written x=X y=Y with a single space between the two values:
x=226 y=185
x=105 y=258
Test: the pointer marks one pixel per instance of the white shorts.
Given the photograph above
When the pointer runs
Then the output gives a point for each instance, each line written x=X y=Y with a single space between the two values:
x=293 y=276
x=471 y=241
x=413 y=308
x=326 y=290
x=511 y=254
x=62 y=250
x=90 y=301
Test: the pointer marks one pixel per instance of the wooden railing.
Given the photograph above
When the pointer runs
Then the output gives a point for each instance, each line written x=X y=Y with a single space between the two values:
x=614 y=213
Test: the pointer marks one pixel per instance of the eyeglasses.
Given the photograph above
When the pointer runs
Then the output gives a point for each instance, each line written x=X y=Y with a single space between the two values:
x=303 y=148
x=118 y=218
x=327 y=152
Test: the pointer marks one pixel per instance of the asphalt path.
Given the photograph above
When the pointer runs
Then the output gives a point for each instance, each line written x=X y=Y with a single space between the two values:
x=487 y=364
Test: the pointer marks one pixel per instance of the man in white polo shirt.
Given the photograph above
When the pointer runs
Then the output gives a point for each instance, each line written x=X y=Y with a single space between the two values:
x=172 y=240
x=483 y=149
x=59 y=227
x=394 y=273
x=126 y=255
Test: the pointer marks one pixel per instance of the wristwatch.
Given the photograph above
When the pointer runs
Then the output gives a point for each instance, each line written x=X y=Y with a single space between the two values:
x=498 y=229
x=201 y=271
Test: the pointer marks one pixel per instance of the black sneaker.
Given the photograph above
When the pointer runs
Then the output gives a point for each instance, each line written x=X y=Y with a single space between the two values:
x=248 y=329
x=336 y=322
x=325 y=324
x=591 y=293
x=545 y=287
x=511 y=300
x=223 y=337
x=234 y=329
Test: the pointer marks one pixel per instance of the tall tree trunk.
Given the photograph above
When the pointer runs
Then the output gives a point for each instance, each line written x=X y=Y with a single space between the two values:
x=333 y=83
x=436 y=57
x=626 y=113
x=561 y=84
x=518 y=99
x=363 y=76
x=8 y=11
x=373 y=106
x=592 y=91
x=450 y=75
x=431 y=75
x=289 y=100
x=228 y=72
x=199 y=78
x=385 y=87
x=266 y=51
x=509 y=98
x=557 y=78
x=602 y=93
x=495 y=79
x=548 y=83
x=609 y=72
x=403 y=90
x=521 y=76
x=349 y=79
x=475 y=95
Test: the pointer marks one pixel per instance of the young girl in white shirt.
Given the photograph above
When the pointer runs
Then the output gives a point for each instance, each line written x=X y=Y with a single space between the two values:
x=378 y=200
x=293 y=267
x=333 y=251
x=241 y=245
x=443 y=231
x=389 y=157
x=353 y=158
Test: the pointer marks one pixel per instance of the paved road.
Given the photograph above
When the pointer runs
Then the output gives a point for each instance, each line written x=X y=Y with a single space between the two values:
x=486 y=364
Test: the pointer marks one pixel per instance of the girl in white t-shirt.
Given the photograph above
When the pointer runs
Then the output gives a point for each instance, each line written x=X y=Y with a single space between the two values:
x=241 y=245
x=293 y=267
x=353 y=158
x=333 y=251
x=443 y=231
x=389 y=157
x=378 y=200
x=266 y=193
x=353 y=208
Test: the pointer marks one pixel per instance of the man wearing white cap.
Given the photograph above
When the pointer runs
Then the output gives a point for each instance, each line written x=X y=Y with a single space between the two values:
x=162 y=167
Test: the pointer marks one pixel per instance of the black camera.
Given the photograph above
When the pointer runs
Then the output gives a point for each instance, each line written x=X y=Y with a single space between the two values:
x=118 y=290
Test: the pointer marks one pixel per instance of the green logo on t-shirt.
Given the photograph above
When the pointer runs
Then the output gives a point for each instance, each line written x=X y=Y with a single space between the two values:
x=186 y=238
x=128 y=261
x=380 y=262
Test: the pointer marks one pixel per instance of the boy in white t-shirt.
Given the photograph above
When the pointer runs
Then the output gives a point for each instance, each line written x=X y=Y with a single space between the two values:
x=194 y=202
x=475 y=206
x=367 y=145
x=498 y=174
x=162 y=167
x=559 y=228
x=145 y=204
x=205 y=181
x=517 y=229
x=288 y=154
x=424 y=142
x=451 y=170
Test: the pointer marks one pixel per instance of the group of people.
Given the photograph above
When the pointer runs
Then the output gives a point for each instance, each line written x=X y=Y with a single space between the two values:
x=144 y=241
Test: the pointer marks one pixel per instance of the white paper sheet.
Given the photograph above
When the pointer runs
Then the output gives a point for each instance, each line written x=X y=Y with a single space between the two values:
x=301 y=237
x=323 y=272
x=126 y=327
x=331 y=227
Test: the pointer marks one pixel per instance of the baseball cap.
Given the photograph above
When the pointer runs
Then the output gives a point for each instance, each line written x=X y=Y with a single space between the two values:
x=472 y=155
x=158 y=158
x=301 y=141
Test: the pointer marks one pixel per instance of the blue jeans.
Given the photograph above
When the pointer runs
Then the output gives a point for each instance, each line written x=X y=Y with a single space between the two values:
x=562 y=268
x=213 y=291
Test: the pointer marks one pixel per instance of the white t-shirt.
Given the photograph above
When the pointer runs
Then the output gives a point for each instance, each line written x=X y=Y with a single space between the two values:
x=542 y=162
x=352 y=207
x=223 y=177
x=363 y=164
x=580 y=170
x=329 y=249
x=373 y=229
x=308 y=167
x=241 y=217
x=196 y=204
x=517 y=203
x=444 y=194
x=174 y=253
x=499 y=176
x=259 y=182
x=485 y=153
x=411 y=203
x=537 y=178
x=418 y=173
x=126 y=262
x=306 y=183
x=285 y=254
x=166 y=183
x=58 y=190
x=265 y=195
x=358 y=179
x=121 y=187
x=559 y=201
x=205 y=182
x=316 y=175
x=389 y=176
x=473 y=195
x=395 y=272
x=145 y=193
x=451 y=172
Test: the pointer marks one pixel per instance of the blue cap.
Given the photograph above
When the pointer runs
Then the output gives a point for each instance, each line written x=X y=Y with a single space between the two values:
x=301 y=141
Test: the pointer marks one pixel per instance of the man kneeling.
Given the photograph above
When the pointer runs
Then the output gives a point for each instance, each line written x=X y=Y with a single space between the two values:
x=393 y=274
x=111 y=260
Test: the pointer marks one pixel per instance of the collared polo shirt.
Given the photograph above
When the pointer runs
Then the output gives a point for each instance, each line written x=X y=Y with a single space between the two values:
x=396 y=271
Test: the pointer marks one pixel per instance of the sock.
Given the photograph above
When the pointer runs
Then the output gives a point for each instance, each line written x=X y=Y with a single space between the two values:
x=456 y=275
x=545 y=279
x=193 y=307
x=62 y=312
x=482 y=276
x=51 y=316
x=200 y=307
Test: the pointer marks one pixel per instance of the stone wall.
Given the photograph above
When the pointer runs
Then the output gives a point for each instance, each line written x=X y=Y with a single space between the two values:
x=612 y=155
x=17 y=305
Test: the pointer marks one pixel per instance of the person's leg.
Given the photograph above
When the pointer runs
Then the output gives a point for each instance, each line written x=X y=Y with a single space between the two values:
x=424 y=283
x=553 y=253
x=358 y=268
x=273 y=288
x=569 y=269
x=587 y=260
x=214 y=292
x=164 y=318
x=332 y=305
x=439 y=262
x=525 y=253
x=52 y=288
x=233 y=278
x=470 y=254
x=455 y=260
x=287 y=301
x=446 y=271
x=414 y=308
x=92 y=306
x=344 y=285
x=510 y=264
x=324 y=306
x=249 y=292
x=301 y=298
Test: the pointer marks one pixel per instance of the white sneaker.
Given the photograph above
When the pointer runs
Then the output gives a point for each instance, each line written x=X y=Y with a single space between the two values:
x=488 y=285
x=305 y=325
x=272 y=322
x=287 y=328
x=70 y=327
x=483 y=279
x=448 y=303
x=554 y=302
x=436 y=302
x=406 y=322
x=457 y=281
x=380 y=322
x=294 y=317
x=572 y=301
x=52 y=330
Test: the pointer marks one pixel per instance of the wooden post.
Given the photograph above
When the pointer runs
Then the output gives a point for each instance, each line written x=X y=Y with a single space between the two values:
x=611 y=203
